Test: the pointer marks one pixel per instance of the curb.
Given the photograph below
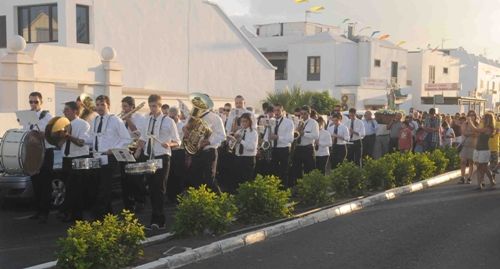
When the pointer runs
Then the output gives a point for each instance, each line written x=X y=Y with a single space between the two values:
x=239 y=241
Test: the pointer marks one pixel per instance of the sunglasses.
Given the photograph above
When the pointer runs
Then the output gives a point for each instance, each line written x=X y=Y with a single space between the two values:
x=34 y=102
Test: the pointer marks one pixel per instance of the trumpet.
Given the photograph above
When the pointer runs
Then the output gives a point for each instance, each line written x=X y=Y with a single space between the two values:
x=123 y=115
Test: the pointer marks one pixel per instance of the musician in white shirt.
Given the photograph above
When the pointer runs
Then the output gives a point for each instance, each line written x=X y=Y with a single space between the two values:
x=107 y=132
x=281 y=141
x=340 y=137
x=304 y=160
x=177 y=172
x=323 y=145
x=245 y=151
x=74 y=147
x=203 y=166
x=357 y=132
x=233 y=120
x=133 y=187
x=371 y=126
x=42 y=181
x=157 y=141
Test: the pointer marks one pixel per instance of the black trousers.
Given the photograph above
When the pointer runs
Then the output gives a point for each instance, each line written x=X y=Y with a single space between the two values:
x=203 y=169
x=354 y=152
x=304 y=161
x=225 y=164
x=133 y=189
x=76 y=188
x=338 y=155
x=42 y=184
x=104 y=176
x=321 y=162
x=177 y=174
x=368 y=145
x=244 y=167
x=263 y=166
x=280 y=163
x=393 y=144
x=157 y=183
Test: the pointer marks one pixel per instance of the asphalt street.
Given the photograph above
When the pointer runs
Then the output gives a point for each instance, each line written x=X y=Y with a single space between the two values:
x=449 y=226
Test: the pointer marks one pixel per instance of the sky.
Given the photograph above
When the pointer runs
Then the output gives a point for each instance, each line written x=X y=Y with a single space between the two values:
x=472 y=24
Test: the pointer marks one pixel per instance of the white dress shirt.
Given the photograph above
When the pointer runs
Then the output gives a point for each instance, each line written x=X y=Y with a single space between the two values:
x=42 y=123
x=370 y=126
x=324 y=143
x=235 y=114
x=342 y=133
x=358 y=127
x=218 y=133
x=165 y=130
x=80 y=130
x=285 y=132
x=249 y=143
x=180 y=125
x=139 y=122
x=382 y=130
x=113 y=133
x=311 y=132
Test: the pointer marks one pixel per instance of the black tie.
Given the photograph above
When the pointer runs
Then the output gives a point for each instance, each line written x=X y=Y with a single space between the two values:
x=243 y=138
x=32 y=126
x=68 y=145
x=352 y=128
x=373 y=126
x=276 y=132
x=126 y=124
x=304 y=129
x=148 y=151
x=99 y=129
x=335 y=131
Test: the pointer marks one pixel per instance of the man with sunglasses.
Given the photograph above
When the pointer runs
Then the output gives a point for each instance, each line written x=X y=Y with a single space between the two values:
x=42 y=181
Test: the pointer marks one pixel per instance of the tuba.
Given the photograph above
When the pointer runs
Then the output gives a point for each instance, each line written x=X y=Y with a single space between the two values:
x=196 y=129
x=56 y=130
x=87 y=106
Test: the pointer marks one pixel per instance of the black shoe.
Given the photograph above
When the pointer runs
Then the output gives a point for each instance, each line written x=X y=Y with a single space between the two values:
x=469 y=181
x=156 y=227
x=461 y=181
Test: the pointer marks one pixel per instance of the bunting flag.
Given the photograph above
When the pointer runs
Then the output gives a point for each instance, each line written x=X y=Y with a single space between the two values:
x=384 y=37
x=301 y=1
x=375 y=33
x=435 y=49
x=400 y=43
x=317 y=9
x=346 y=20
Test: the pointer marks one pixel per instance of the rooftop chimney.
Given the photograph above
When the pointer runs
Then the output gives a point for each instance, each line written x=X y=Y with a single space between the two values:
x=351 y=27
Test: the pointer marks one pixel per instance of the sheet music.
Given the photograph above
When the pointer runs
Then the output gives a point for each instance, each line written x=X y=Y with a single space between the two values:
x=27 y=117
x=123 y=155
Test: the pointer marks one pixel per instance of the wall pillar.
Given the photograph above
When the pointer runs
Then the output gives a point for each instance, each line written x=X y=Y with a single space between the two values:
x=113 y=85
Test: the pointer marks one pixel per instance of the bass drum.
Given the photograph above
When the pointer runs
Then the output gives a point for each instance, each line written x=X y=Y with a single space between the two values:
x=22 y=152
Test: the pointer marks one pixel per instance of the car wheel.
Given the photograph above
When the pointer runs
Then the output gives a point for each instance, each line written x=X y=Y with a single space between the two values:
x=58 y=192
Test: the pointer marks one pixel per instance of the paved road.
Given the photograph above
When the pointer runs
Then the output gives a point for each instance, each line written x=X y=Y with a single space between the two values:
x=450 y=226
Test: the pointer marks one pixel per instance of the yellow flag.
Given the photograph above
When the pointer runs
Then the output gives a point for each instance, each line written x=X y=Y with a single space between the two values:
x=400 y=43
x=301 y=1
x=317 y=8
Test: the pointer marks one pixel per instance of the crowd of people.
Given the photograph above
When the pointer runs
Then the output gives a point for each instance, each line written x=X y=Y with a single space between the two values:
x=287 y=145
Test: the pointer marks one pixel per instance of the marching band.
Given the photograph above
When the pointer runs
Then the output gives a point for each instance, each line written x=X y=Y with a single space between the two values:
x=171 y=149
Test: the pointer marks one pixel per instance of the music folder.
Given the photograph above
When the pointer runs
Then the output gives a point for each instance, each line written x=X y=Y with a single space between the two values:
x=27 y=117
x=123 y=155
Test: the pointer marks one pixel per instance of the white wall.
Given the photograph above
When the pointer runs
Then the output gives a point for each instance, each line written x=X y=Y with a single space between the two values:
x=388 y=53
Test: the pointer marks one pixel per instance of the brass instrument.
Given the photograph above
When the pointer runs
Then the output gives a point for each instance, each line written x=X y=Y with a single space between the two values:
x=56 y=130
x=237 y=115
x=123 y=116
x=299 y=130
x=265 y=150
x=233 y=142
x=87 y=106
x=196 y=130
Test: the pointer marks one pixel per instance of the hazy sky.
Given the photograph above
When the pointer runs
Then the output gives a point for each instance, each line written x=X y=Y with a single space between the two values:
x=472 y=24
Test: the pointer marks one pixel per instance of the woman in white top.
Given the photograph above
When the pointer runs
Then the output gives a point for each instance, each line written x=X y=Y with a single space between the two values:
x=448 y=135
x=322 y=146
x=245 y=151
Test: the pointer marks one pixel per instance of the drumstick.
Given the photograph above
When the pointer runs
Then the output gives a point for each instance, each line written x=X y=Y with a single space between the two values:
x=156 y=139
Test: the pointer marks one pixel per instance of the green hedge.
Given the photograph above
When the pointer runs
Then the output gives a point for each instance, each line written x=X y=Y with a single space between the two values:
x=348 y=180
x=314 y=188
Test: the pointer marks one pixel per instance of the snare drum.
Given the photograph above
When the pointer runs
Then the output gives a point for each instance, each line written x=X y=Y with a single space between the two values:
x=145 y=168
x=22 y=152
x=86 y=163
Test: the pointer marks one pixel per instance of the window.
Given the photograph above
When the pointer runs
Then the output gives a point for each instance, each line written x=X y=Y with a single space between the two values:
x=377 y=63
x=445 y=70
x=82 y=24
x=281 y=72
x=432 y=74
x=3 y=32
x=313 y=68
x=38 y=24
x=394 y=72
x=409 y=82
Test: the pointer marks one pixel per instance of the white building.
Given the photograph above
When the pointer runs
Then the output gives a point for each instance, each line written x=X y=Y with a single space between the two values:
x=479 y=76
x=435 y=80
x=315 y=57
x=169 y=47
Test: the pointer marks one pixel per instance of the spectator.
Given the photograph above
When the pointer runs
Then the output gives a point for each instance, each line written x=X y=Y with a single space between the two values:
x=394 y=127
x=432 y=125
x=448 y=135
x=405 y=142
x=482 y=150
x=468 y=146
x=419 y=140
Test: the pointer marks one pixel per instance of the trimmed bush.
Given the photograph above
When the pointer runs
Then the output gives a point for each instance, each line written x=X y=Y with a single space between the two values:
x=262 y=199
x=314 y=188
x=113 y=243
x=348 y=179
x=453 y=157
x=440 y=160
x=202 y=211
x=379 y=174
x=424 y=167
x=404 y=170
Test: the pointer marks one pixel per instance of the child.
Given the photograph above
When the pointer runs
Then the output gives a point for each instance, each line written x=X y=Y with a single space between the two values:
x=419 y=140
x=448 y=135
x=405 y=137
